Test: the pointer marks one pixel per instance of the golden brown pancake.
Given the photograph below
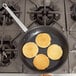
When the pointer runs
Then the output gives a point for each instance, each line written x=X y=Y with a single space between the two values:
x=41 y=62
x=54 y=52
x=30 y=49
x=43 y=40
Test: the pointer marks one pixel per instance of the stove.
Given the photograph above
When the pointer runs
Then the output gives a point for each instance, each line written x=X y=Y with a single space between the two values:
x=59 y=14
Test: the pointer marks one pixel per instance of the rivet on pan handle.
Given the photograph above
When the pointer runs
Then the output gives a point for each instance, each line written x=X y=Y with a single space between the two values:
x=22 y=26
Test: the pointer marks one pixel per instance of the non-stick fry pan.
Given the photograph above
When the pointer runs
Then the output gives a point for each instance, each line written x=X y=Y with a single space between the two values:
x=57 y=38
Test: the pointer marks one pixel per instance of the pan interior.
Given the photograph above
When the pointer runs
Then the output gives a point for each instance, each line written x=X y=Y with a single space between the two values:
x=57 y=38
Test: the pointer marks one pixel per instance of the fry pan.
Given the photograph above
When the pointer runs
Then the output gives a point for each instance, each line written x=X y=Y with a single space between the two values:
x=57 y=38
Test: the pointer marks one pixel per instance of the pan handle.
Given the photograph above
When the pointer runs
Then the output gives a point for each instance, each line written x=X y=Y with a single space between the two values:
x=22 y=26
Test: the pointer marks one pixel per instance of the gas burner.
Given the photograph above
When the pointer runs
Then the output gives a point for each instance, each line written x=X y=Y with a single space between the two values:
x=8 y=19
x=73 y=12
x=47 y=13
x=7 y=52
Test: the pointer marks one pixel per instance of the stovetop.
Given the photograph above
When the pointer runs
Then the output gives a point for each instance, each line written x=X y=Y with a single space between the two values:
x=59 y=14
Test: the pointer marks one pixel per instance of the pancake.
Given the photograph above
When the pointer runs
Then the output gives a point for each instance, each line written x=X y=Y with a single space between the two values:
x=30 y=49
x=41 y=62
x=43 y=40
x=54 y=52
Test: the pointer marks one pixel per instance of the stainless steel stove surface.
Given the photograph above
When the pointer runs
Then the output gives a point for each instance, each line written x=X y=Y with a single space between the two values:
x=59 y=14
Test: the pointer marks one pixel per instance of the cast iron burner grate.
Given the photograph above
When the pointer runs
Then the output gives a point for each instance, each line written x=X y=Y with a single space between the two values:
x=8 y=19
x=45 y=14
x=7 y=52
